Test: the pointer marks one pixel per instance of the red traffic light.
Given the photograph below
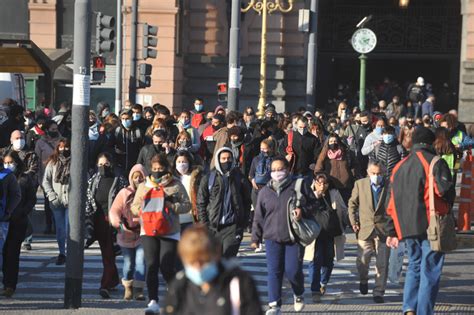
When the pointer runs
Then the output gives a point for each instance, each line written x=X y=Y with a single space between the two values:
x=221 y=87
x=98 y=63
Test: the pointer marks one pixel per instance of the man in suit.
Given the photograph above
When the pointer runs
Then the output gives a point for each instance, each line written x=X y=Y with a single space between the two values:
x=367 y=216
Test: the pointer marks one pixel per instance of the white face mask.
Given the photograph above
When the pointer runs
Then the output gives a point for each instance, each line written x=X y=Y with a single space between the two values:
x=182 y=168
x=376 y=179
x=11 y=167
x=18 y=144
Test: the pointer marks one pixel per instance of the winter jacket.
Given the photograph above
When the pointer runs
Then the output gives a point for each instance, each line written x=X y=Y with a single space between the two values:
x=148 y=152
x=369 y=143
x=127 y=146
x=270 y=221
x=182 y=293
x=174 y=193
x=306 y=149
x=220 y=137
x=121 y=211
x=389 y=155
x=210 y=201
x=196 y=176
x=28 y=199
x=341 y=172
x=408 y=201
x=56 y=193
x=30 y=160
x=44 y=149
x=12 y=191
x=92 y=186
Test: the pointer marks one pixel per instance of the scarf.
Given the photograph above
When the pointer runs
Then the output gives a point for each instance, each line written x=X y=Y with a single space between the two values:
x=39 y=131
x=335 y=155
x=94 y=132
x=62 y=170
x=279 y=186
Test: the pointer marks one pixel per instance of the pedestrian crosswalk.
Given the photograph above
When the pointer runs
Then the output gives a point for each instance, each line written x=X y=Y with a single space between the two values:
x=41 y=279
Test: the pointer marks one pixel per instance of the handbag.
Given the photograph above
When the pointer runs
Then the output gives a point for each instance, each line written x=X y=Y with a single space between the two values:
x=442 y=228
x=306 y=229
x=328 y=219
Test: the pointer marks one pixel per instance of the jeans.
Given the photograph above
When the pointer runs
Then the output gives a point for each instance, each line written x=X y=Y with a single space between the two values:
x=133 y=263
x=422 y=277
x=320 y=269
x=62 y=227
x=284 y=259
x=3 y=238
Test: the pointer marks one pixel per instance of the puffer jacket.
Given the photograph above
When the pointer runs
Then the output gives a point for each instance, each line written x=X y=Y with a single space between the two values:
x=56 y=193
x=120 y=211
x=389 y=155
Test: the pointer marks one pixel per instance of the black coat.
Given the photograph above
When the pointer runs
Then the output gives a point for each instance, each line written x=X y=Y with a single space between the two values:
x=306 y=149
x=28 y=199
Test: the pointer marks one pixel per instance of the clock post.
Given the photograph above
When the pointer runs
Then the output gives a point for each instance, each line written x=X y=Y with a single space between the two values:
x=363 y=65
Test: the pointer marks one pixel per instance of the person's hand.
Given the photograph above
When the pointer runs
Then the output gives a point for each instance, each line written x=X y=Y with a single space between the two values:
x=288 y=157
x=297 y=213
x=169 y=205
x=254 y=245
x=254 y=184
x=356 y=228
x=180 y=128
x=377 y=143
x=392 y=242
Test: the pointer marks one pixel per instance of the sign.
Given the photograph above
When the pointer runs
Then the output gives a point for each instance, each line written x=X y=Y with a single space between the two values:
x=81 y=90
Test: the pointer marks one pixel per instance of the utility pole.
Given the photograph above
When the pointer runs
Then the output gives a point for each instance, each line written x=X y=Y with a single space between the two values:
x=132 y=87
x=312 y=56
x=118 y=61
x=78 y=181
x=363 y=69
x=234 y=57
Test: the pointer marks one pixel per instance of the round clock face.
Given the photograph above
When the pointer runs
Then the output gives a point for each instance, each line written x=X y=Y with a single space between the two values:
x=364 y=40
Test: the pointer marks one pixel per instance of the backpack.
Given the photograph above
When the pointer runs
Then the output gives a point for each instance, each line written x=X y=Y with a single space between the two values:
x=263 y=170
x=155 y=218
x=290 y=152
x=416 y=93
x=3 y=196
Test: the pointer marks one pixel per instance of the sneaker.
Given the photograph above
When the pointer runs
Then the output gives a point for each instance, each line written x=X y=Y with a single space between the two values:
x=104 y=293
x=27 y=246
x=322 y=289
x=8 y=292
x=363 y=288
x=153 y=308
x=60 y=260
x=316 y=297
x=299 y=303
x=379 y=299
x=273 y=310
x=259 y=249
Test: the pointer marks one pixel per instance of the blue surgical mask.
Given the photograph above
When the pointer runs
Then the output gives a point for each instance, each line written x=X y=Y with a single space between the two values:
x=387 y=139
x=127 y=123
x=204 y=275
x=378 y=130
x=376 y=179
x=199 y=107
x=136 y=116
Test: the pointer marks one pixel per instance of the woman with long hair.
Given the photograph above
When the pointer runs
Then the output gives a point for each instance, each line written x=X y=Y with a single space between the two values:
x=56 y=188
x=444 y=147
x=158 y=124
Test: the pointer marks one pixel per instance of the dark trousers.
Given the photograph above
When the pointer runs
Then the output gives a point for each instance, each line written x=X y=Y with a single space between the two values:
x=11 y=253
x=160 y=254
x=103 y=234
x=320 y=269
x=48 y=214
x=284 y=259
x=230 y=238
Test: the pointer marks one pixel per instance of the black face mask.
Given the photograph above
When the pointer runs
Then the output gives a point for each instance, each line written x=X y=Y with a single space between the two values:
x=158 y=147
x=53 y=134
x=105 y=171
x=65 y=153
x=158 y=174
x=333 y=146
x=91 y=123
x=226 y=167
x=215 y=128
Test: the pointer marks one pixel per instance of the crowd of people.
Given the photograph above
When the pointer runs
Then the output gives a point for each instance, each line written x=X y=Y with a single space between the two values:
x=174 y=193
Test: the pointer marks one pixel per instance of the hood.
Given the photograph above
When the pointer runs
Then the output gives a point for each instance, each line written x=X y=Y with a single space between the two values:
x=136 y=168
x=220 y=107
x=216 y=158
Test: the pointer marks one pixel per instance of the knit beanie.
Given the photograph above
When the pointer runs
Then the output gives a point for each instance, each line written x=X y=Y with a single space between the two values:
x=423 y=135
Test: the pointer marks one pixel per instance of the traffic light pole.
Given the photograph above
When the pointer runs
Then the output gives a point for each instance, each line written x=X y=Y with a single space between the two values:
x=132 y=85
x=363 y=67
x=312 y=56
x=78 y=178
x=234 y=57
x=118 y=70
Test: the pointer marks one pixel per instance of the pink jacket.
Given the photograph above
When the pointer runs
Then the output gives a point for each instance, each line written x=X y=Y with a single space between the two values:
x=120 y=211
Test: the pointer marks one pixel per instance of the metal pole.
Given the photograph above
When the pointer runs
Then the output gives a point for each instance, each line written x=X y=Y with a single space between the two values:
x=312 y=56
x=363 y=65
x=132 y=88
x=118 y=68
x=234 y=57
x=78 y=181
x=263 y=64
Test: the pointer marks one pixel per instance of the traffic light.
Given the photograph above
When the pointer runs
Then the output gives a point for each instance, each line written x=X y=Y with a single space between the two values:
x=149 y=40
x=104 y=33
x=222 y=92
x=98 y=70
x=144 y=75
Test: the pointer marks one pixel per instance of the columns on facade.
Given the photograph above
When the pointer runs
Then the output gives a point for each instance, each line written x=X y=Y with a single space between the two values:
x=43 y=23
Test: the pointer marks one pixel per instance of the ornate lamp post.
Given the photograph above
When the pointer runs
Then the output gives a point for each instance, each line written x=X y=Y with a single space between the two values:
x=263 y=8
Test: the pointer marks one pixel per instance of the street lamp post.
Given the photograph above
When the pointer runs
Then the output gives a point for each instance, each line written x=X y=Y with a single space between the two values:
x=263 y=8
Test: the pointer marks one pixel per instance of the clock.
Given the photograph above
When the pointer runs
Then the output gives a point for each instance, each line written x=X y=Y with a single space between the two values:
x=364 y=40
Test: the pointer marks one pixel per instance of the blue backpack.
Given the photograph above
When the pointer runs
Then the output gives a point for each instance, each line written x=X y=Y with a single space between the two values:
x=3 y=196
x=263 y=170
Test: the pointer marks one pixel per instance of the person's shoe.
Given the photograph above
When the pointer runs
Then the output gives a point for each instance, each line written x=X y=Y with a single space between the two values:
x=316 y=297
x=363 y=288
x=273 y=310
x=138 y=290
x=322 y=289
x=259 y=249
x=410 y=313
x=153 y=308
x=128 y=285
x=8 y=292
x=27 y=246
x=104 y=293
x=379 y=299
x=60 y=260
x=299 y=303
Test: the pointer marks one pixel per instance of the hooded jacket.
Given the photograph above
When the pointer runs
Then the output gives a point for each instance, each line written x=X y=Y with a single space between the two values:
x=210 y=201
x=44 y=148
x=121 y=211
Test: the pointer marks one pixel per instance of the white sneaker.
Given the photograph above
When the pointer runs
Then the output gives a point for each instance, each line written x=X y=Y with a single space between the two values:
x=273 y=310
x=299 y=303
x=153 y=308
x=259 y=249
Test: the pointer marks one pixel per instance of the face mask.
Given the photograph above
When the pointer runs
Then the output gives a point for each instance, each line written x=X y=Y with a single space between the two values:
x=278 y=175
x=158 y=175
x=235 y=143
x=185 y=123
x=265 y=154
x=376 y=179
x=333 y=146
x=18 y=144
x=184 y=144
x=357 y=122
x=104 y=170
x=91 y=123
x=215 y=128
x=182 y=168
x=53 y=134
x=378 y=130
x=136 y=116
x=387 y=139
x=11 y=167
x=65 y=153
x=205 y=275
x=225 y=167
x=105 y=113
x=199 y=107
x=158 y=147
x=127 y=123
x=28 y=121
x=302 y=131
